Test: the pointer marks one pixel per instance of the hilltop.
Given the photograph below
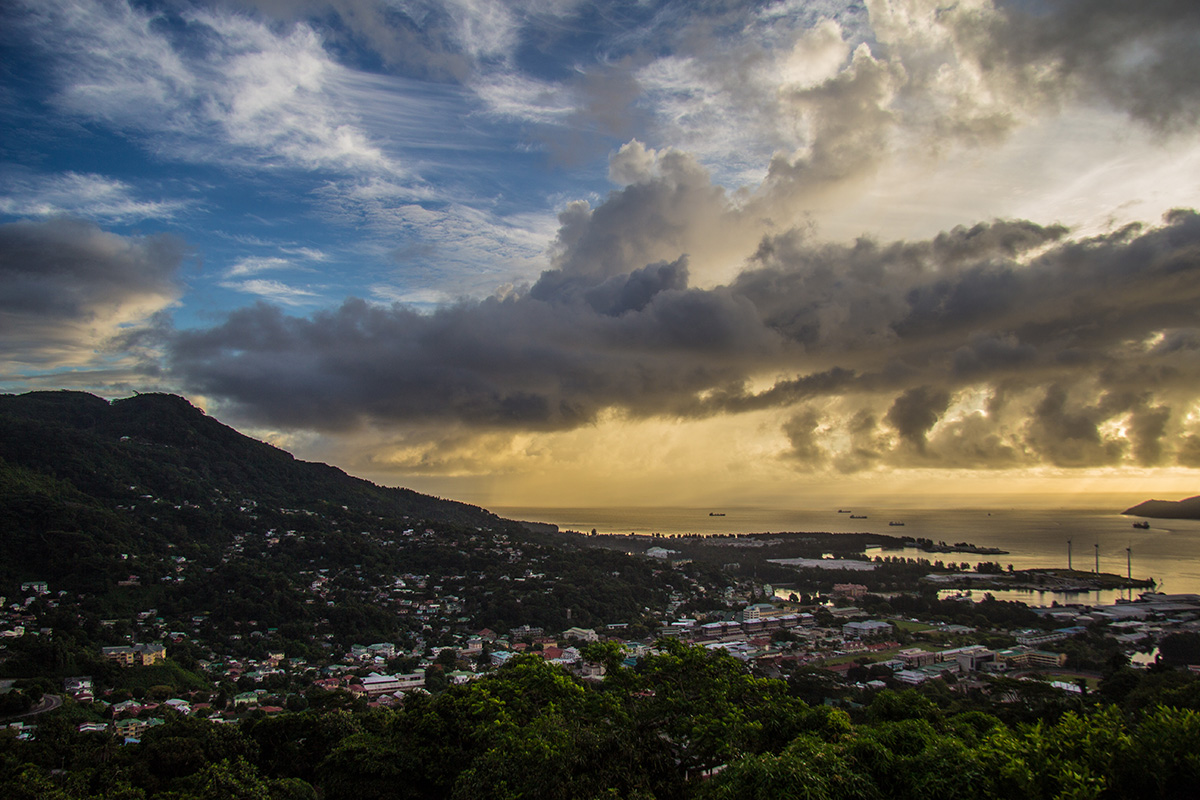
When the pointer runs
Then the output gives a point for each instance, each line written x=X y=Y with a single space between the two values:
x=162 y=445
x=1167 y=509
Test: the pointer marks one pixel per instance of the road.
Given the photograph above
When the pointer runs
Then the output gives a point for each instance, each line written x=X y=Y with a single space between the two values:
x=49 y=702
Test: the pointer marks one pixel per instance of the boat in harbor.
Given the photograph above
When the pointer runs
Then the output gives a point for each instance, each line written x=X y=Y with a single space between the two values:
x=1142 y=525
x=716 y=513
x=858 y=516
x=896 y=524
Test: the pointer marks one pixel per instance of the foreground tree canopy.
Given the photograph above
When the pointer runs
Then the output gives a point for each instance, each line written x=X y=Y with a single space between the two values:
x=685 y=723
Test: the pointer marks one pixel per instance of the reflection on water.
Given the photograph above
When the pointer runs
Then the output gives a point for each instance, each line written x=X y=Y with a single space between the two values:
x=1030 y=597
x=1168 y=551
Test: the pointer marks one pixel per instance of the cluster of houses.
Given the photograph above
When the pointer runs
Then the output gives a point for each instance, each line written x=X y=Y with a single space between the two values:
x=435 y=604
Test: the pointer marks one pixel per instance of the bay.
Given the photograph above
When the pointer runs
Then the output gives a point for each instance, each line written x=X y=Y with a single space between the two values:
x=1168 y=552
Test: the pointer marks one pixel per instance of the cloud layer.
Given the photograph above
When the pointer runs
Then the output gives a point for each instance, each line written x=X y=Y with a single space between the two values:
x=1003 y=344
x=398 y=184
x=71 y=288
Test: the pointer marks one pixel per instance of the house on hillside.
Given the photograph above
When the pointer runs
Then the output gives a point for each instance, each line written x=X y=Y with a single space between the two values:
x=135 y=655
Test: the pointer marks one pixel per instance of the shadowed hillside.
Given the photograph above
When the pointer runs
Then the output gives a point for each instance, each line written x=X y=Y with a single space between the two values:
x=1167 y=509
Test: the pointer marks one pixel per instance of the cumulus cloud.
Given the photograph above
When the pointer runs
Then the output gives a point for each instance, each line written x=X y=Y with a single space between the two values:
x=916 y=411
x=1138 y=57
x=70 y=287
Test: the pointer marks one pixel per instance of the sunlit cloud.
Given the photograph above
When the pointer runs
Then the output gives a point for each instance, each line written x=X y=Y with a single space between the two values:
x=70 y=289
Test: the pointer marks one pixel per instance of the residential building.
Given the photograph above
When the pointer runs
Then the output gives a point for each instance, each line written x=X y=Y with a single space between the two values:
x=135 y=655
x=859 y=630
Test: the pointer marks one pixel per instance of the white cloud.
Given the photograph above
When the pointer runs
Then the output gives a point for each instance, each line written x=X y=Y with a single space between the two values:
x=307 y=253
x=276 y=291
x=515 y=96
x=484 y=29
x=239 y=92
x=81 y=195
x=252 y=265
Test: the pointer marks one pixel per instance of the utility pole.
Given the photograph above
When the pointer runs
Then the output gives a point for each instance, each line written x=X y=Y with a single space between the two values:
x=1129 y=568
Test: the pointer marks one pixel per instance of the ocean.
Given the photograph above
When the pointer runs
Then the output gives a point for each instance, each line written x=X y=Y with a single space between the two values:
x=1168 y=552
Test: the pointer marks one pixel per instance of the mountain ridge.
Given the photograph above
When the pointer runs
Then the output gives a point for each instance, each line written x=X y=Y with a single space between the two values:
x=173 y=434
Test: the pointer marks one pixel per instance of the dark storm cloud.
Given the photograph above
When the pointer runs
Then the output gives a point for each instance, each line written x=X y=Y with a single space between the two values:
x=519 y=363
x=987 y=352
x=1141 y=57
x=649 y=220
x=883 y=345
x=801 y=431
x=916 y=411
x=68 y=286
x=1147 y=429
x=1067 y=433
x=633 y=292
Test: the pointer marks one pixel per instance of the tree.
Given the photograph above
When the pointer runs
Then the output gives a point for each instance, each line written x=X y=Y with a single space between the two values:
x=1180 y=648
x=230 y=780
x=808 y=770
x=891 y=705
x=708 y=709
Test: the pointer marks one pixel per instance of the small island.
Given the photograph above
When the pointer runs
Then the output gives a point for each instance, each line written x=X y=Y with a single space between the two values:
x=1167 y=509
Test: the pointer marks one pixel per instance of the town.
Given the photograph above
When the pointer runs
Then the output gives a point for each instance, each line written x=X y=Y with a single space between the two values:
x=226 y=669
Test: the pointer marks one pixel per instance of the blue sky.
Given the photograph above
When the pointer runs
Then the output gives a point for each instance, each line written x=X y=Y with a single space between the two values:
x=555 y=252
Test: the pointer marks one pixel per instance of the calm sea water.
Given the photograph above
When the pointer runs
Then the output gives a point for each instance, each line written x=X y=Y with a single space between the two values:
x=1169 y=552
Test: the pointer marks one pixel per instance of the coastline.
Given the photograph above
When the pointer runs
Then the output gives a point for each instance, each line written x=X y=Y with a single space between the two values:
x=1086 y=540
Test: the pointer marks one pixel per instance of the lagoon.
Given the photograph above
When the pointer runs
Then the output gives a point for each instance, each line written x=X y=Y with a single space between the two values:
x=1168 y=551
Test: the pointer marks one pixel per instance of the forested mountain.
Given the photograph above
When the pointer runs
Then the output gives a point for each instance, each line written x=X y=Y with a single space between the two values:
x=84 y=479
x=162 y=445
x=148 y=503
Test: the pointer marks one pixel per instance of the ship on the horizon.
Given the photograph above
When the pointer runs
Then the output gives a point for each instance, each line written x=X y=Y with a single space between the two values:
x=843 y=511
x=1142 y=525
x=896 y=524
x=858 y=516
x=716 y=513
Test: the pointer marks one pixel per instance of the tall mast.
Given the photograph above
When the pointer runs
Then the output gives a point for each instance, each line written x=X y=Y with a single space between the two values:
x=1129 y=568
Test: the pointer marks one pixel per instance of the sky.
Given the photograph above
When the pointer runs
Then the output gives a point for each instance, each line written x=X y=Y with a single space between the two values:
x=657 y=252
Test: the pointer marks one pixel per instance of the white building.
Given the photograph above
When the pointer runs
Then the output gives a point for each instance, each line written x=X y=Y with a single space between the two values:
x=859 y=630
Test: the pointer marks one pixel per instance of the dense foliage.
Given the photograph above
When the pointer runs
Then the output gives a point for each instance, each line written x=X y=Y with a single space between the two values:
x=685 y=723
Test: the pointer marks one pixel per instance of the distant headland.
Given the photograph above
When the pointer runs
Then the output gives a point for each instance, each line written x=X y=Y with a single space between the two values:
x=1167 y=509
